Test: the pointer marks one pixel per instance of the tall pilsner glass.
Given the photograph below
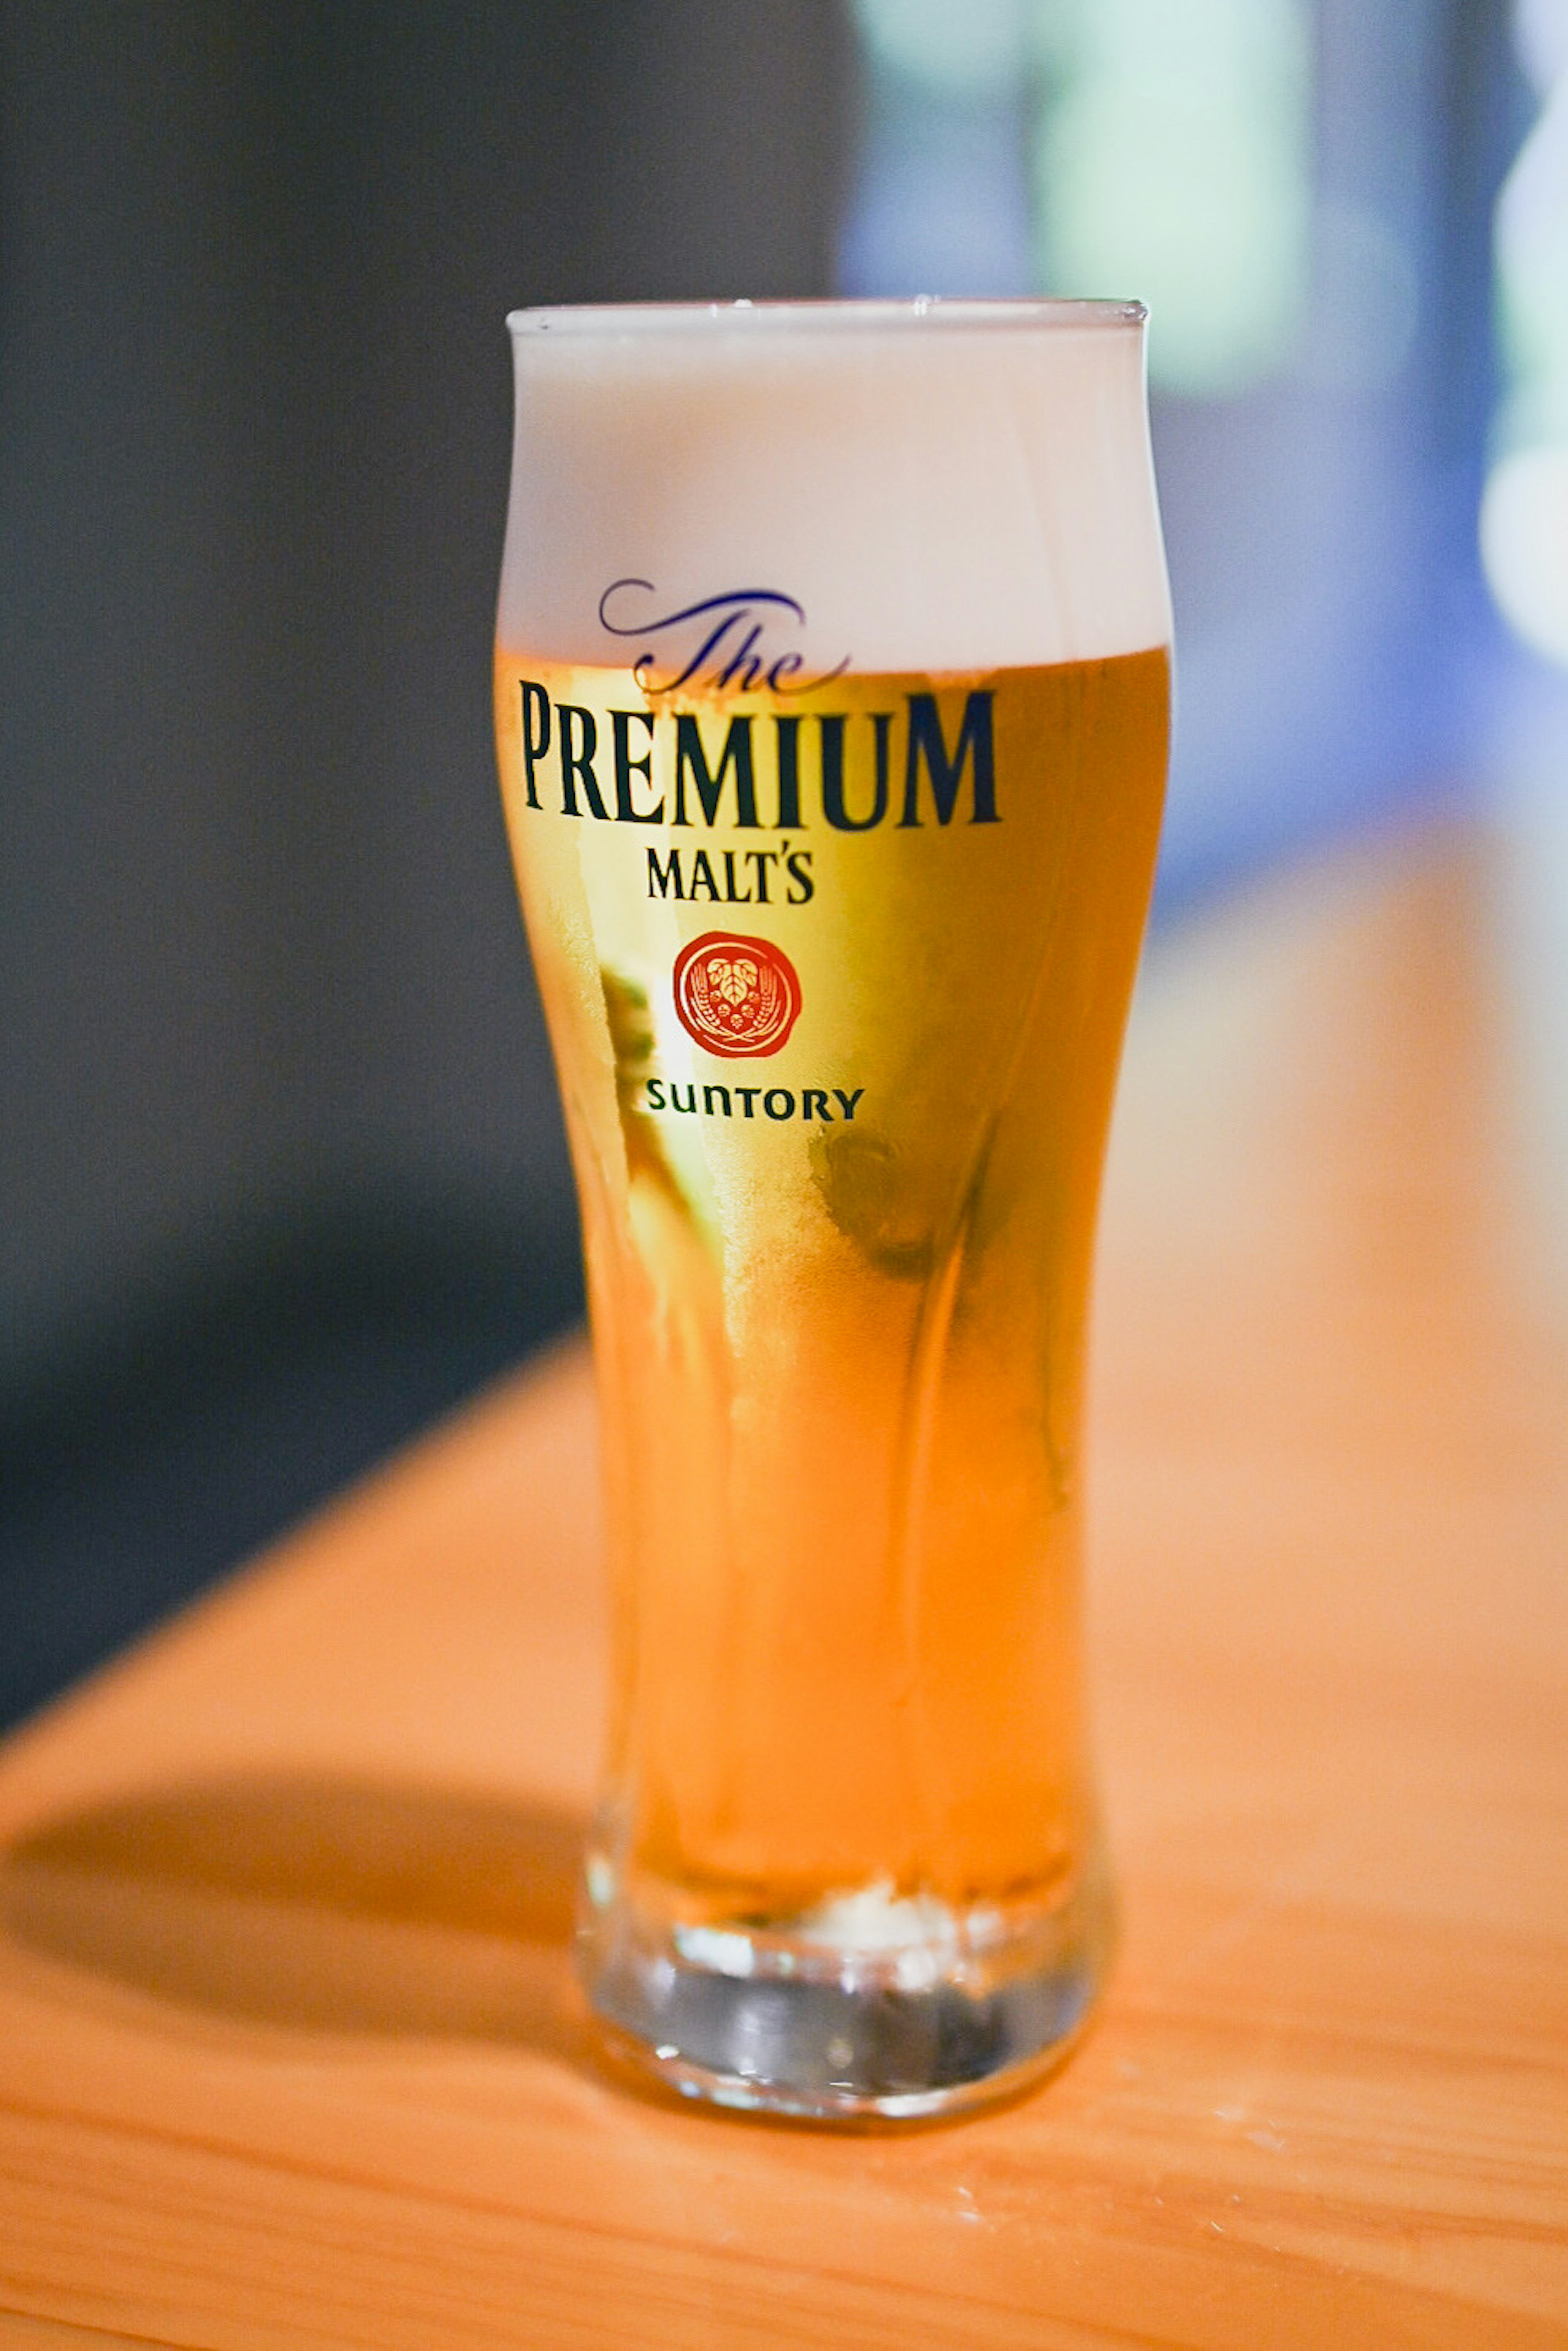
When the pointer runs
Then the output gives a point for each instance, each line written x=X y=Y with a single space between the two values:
x=832 y=689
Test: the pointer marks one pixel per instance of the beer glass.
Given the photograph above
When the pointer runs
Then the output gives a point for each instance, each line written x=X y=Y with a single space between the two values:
x=831 y=694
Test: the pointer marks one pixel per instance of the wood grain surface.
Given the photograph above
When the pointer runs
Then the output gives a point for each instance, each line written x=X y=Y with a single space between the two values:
x=289 y=2052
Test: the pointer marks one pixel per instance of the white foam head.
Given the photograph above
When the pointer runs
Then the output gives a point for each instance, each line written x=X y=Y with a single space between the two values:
x=937 y=486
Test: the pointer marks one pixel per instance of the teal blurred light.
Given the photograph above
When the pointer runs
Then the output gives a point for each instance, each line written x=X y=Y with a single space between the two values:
x=1524 y=510
x=1172 y=157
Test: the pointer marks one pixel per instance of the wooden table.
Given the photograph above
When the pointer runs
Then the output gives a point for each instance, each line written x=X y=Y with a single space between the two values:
x=288 y=2048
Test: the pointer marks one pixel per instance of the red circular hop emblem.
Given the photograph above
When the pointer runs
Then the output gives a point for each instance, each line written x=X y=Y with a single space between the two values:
x=739 y=997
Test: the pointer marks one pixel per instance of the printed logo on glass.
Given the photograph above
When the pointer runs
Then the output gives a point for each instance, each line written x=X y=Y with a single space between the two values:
x=739 y=997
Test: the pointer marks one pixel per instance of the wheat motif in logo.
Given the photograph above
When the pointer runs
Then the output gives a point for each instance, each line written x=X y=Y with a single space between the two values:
x=737 y=998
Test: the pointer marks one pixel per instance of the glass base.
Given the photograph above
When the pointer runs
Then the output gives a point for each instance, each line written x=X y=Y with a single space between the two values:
x=872 y=2007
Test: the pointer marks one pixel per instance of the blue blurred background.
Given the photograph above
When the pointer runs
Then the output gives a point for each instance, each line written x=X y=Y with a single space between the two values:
x=282 y=1172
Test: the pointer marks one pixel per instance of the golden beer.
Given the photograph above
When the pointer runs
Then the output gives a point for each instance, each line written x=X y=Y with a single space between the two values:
x=836 y=965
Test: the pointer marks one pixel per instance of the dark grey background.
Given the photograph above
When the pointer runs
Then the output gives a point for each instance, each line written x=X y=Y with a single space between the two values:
x=281 y=1171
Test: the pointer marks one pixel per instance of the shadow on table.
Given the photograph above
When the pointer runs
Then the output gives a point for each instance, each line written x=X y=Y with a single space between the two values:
x=318 y=1905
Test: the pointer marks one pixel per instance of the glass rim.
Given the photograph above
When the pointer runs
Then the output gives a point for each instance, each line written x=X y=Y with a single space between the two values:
x=917 y=312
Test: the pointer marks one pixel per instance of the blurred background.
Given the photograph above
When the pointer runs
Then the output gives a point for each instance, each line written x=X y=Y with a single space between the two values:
x=282 y=1174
